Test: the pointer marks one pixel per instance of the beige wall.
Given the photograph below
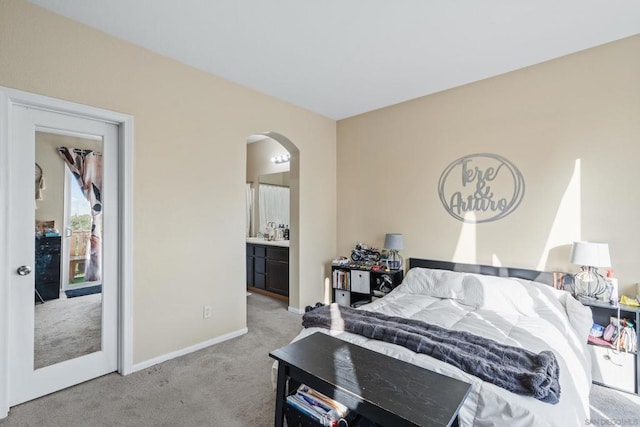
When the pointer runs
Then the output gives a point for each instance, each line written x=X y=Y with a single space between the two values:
x=544 y=118
x=189 y=170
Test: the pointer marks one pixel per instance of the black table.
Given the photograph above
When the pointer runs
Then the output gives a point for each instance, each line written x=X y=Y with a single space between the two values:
x=385 y=390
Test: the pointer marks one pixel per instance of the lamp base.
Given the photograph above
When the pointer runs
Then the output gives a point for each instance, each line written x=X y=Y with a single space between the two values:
x=589 y=284
x=395 y=261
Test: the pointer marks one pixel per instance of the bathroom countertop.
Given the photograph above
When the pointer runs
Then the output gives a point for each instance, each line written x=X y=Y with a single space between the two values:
x=261 y=241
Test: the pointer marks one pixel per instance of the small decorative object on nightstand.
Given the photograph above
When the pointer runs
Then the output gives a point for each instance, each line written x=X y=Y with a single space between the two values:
x=394 y=242
x=590 y=255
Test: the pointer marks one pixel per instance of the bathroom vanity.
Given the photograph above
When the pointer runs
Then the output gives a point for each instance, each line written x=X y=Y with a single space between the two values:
x=268 y=265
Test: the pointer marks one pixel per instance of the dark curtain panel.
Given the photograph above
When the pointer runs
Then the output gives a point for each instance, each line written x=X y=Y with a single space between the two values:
x=86 y=166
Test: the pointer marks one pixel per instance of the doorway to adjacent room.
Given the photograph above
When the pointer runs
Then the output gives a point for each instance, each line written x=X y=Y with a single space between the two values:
x=272 y=194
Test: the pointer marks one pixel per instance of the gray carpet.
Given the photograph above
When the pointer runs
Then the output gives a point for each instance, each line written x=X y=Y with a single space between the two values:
x=611 y=407
x=67 y=328
x=228 y=384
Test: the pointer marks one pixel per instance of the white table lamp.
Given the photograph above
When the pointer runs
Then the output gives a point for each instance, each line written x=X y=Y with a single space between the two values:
x=590 y=256
x=394 y=242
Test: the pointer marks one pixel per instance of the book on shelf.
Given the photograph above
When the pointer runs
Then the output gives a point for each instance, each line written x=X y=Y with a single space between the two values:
x=341 y=280
x=307 y=409
x=322 y=409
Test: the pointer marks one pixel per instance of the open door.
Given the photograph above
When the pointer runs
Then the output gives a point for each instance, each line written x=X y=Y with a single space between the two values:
x=57 y=340
x=26 y=371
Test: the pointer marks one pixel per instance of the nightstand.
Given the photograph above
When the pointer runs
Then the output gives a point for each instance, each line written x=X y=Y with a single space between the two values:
x=357 y=286
x=611 y=367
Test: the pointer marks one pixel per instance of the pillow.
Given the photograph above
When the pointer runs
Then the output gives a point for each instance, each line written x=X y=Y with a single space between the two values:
x=438 y=284
x=493 y=293
x=501 y=295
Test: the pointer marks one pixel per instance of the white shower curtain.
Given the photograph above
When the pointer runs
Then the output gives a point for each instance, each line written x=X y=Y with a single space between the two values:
x=249 y=196
x=274 y=205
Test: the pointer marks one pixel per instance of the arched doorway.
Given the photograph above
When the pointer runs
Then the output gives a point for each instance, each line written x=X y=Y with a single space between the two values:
x=293 y=182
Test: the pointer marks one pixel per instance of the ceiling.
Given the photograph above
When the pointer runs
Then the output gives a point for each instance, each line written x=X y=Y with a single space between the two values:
x=340 y=58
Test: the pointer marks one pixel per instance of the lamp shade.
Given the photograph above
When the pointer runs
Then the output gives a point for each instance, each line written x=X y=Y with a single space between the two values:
x=394 y=241
x=590 y=254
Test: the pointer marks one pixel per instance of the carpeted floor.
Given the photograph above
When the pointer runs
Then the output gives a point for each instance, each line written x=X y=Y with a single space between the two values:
x=66 y=328
x=228 y=384
x=611 y=407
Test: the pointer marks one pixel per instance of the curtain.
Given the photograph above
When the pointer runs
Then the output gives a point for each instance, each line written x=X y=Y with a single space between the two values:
x=274 y=205
x=39 y=183
x=249 y=197
x=86 y=167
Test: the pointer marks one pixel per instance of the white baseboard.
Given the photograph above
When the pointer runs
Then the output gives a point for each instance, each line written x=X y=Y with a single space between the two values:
x=296 y=310
x=144 y=365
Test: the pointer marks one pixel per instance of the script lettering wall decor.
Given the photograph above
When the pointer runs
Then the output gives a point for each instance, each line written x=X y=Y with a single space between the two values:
x=486 y=184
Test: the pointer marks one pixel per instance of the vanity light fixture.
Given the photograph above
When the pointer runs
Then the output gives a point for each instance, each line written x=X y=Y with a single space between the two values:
x=281 y=159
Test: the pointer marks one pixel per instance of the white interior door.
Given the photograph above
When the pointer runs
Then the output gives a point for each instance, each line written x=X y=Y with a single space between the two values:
x=38 y=364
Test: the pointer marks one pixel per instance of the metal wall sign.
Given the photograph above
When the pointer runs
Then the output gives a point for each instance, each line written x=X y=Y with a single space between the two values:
x=485 y=184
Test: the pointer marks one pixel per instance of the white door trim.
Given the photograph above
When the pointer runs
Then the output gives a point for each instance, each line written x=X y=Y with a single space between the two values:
x=8 y=98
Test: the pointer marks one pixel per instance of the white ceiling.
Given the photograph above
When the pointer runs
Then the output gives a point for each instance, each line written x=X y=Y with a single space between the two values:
x=340 y=58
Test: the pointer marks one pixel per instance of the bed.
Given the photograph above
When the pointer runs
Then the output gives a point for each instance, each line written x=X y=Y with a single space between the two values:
x=515 y=307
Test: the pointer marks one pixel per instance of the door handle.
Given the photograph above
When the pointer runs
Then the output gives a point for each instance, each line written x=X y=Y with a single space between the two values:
x=24 y=270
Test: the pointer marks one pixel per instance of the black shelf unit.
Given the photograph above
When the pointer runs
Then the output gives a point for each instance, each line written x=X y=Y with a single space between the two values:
x=47 y=267
x=363 y=285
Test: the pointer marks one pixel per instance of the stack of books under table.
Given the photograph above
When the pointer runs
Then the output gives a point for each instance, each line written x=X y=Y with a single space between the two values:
x=318 y=408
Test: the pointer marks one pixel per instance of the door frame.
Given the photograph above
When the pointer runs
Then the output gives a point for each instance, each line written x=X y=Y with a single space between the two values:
x=8 y=98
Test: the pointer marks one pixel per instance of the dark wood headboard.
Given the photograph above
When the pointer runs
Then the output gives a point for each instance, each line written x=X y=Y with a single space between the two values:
x=555 y=279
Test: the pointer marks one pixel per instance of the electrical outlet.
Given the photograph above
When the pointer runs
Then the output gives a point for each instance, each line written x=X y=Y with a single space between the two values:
x=206 y=312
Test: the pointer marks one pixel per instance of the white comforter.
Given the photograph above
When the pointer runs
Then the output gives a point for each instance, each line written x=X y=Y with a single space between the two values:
x=510 y=311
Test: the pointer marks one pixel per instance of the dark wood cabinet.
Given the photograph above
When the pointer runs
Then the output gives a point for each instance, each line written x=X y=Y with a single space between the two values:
x=47 y=267
x=268 y=268
x=256 y=266
x=250 y=272
x=278 y=270
x=260 y=272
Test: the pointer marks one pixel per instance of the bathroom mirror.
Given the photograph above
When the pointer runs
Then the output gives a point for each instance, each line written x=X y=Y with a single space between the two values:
x=280 y=178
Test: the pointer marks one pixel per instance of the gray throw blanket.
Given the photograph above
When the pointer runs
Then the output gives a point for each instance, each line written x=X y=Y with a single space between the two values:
x=515 y=369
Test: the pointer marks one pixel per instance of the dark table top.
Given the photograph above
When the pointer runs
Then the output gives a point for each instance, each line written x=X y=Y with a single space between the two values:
x=372 y=380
